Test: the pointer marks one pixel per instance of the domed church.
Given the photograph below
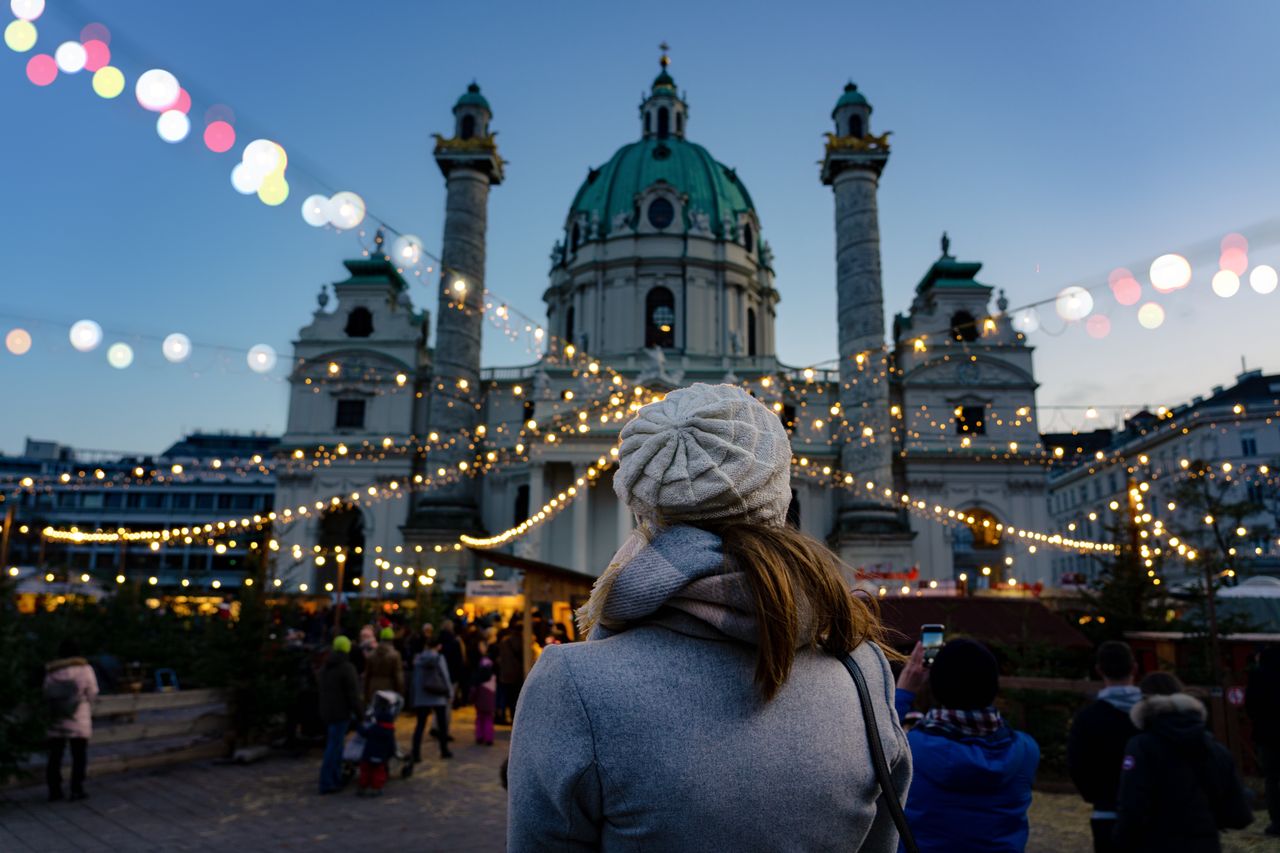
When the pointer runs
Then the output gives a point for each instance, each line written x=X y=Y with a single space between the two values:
x=661 y=277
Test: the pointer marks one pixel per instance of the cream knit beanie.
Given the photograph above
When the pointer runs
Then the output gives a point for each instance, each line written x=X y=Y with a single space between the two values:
x=706 y=452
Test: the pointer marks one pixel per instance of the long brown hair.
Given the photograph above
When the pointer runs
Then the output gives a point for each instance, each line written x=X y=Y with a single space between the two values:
x=789 y=571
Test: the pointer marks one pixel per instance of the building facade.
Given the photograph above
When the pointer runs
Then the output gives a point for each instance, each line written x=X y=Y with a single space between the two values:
x=660 y=277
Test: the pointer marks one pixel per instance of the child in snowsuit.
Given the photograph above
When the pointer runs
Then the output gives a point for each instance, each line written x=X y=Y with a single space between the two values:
x=379 y=747
x=484 y=687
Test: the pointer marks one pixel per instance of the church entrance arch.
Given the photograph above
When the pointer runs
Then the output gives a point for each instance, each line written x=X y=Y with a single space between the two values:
x=341 y=528
x=978 y=549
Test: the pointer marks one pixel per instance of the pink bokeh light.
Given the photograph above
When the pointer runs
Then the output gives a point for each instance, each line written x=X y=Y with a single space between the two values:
x=42 y=69
x=97 y=55
x=1235 y=259
x=219 y=137
x=219 y=112
x=1097 y=326
x=183 y=104
x=1235 y=241
x=95 y=32
x=1125 y=288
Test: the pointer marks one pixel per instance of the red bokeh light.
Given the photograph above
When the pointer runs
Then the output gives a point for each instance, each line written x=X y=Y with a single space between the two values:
x=1234 y=259
x=97 y=55
x=95 y=32
x=219 y=137
x=41 y=69
x=183 y=104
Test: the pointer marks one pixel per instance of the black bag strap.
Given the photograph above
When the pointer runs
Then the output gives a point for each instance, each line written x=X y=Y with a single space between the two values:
x=887 y=790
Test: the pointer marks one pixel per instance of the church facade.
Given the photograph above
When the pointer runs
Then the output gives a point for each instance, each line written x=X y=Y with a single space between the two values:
x=661 y=277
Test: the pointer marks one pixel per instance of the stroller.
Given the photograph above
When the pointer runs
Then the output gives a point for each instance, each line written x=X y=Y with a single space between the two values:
x=386 y=702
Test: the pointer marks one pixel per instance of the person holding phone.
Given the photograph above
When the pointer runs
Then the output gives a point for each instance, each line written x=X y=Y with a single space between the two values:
x=971 y=785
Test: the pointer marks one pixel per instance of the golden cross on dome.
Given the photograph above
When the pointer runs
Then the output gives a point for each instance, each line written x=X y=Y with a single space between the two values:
x=665 y=60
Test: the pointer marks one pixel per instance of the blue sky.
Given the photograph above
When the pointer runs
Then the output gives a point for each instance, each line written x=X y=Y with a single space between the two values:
x=1053 y=141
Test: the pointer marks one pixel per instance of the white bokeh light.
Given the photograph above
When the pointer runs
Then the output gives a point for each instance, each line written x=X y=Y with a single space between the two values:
x=173 y=125
x=176 y=347
x=1026 y=321
x=244 y=180
x=1151 y=316
x=406 y=250
x=1073 y=303
x=261 y=358
x=346 y=210
x=119 y=355
x=1262 y=278
x=27 y=10
x=71 y=57
x=85 y=335
x=1170 y=272
x=315 y=211
x=1225 y=283
x=157 y=90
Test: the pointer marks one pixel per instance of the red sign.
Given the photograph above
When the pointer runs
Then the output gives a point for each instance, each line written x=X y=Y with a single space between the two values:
x=1235 y=695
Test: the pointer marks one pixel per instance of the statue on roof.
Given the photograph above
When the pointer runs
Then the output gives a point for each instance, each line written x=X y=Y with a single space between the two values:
x=946 y=245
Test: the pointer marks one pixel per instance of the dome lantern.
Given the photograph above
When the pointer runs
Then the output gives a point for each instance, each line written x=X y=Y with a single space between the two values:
x=852 y=113
x=663 y=113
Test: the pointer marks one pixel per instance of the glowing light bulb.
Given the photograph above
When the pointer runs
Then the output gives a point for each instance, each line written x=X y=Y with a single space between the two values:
x=1225 y=283
x=406 y=249
x=346 y=210
x=20 y=36
x=176 y=347
x=1073 y=303
x=71 y=57
x=108 y=82
x=1026 y=321
x=261 y=358
x=315 y=211
x=1151 y=316
x=18 y=341
x=1170 y=272
x=26 y=10
x=173 y=126
x=120 y=355
x=85 y=335
x=157 y=90
x=1263 y=279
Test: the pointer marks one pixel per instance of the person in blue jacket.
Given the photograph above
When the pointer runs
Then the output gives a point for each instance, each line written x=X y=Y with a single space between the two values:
x=973 y=773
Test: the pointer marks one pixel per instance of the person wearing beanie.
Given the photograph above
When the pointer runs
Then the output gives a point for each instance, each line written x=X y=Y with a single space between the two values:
x=339 y=689
x=973 y=773
x=1178 y=786
x=383 y=668
x=710 y=671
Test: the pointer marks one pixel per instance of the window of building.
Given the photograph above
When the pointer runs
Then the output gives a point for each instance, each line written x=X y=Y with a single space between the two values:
x=468 y=126
x=181 y=501
x=963 y=326
x=1248 y=444
x=660 y=317
x=751 y=331
x=664 y=121
x=359 y=323
x=855 y=126
x=575 y=237
x=748 y=238
x=679 y=122
x=350 y=414
x=568 y=325
x=648 y=125
x=205 y=500
x=661 y=213
x=521 y=513
x=971 y=420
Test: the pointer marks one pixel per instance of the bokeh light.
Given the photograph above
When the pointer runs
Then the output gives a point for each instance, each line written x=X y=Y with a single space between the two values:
x=219 y=137
x=96 y=55
x=95 y=32
x=85 y=335
x=219 y=112
x=70 y=57
x=42 y=69
x=1169 y=272
x=406 y=250
x=176 y=347
x=1225 y=283
x=108 y=82
x=1151 y=316
x=1124 y=287
x=20 y=36
x=244 y=180
x=119 y=355
x=1026 y=321
x=1235 y=260
x=261 y=156
x=173 y=126
x=18 y=341
x=1234 y=241
x=183 y=104
x=346 y=210
x=274 y=190
x=261 y=358
x=1073 y=303
x=315 y=210
x=1263 y=278
x=1097 y=326
x=157 y=90
x=27 y=10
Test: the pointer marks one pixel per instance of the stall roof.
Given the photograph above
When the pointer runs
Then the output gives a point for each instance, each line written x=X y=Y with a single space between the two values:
x=525 y=565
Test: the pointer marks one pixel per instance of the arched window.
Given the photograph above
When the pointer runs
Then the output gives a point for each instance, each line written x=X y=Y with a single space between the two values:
x=468 y=126
x=648 y=123
x=793 y=511
x=679 y=123
x=963 y=326
x=574 y=237
x=664 y=120
x=751 y=331
x=748 y=238
x=568 y=325
x=855 y=126
x=661 y=213
x=521 y=514
x=359 y=323
x=660 y=318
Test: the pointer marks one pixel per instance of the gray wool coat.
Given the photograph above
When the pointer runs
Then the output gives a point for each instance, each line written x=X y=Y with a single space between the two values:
x=655 y=738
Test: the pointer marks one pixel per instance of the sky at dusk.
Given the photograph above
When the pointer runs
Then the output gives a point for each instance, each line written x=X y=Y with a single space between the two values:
x=1054 y=142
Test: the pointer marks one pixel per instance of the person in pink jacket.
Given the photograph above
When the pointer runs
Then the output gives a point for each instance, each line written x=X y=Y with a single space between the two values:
x=70 y=687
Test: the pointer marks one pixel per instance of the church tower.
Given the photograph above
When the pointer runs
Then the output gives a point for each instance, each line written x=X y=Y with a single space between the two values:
x=867 y=532
x=470 y=163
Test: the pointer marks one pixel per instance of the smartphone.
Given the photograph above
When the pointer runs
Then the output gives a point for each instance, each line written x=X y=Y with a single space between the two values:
x=931 y=637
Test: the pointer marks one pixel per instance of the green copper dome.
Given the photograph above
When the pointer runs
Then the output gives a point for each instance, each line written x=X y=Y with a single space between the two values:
x=851 y=97
x=473 y=98
x=711 y=187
